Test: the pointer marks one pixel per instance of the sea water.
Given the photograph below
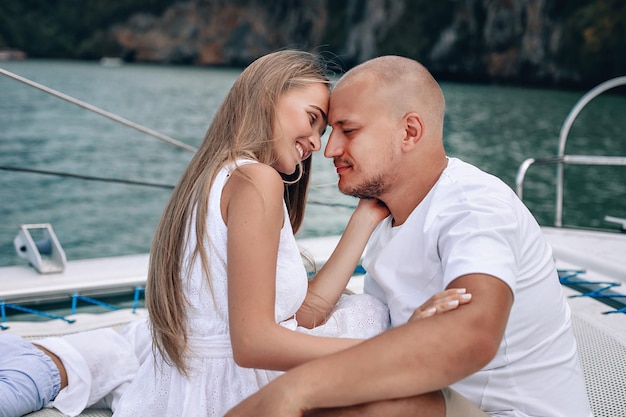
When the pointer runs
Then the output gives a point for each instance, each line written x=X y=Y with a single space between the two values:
x=493 y=127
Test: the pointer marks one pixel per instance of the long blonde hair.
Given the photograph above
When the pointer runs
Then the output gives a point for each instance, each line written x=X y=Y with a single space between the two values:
x=241 y=128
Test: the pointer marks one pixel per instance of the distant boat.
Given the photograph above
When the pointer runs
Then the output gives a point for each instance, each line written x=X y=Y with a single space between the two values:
x=109 y=61
x=12 y=55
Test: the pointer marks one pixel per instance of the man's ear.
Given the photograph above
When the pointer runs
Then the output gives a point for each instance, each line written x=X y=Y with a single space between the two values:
x=413 y=130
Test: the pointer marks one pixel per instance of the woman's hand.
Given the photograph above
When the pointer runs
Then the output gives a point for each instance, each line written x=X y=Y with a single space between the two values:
x=331 y=280
x=441 y=302
x=374 y=207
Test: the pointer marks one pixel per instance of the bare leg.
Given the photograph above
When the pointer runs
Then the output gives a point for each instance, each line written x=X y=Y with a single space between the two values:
x=427 y=405
x=57 y=362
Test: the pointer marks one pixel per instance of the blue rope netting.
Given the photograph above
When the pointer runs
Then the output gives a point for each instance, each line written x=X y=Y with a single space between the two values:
x=75 y=298
x=600 y=290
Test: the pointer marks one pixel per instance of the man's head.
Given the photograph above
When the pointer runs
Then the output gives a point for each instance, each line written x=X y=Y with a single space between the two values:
x=387 y=124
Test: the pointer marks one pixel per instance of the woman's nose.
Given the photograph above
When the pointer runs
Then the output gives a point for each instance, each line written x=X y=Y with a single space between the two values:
x=316 y=142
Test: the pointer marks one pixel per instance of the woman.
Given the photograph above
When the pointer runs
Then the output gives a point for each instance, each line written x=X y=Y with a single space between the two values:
x=227 y=286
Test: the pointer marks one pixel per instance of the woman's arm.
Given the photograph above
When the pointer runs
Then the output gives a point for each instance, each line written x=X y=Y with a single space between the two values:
x=253 y=203
x=330 y=282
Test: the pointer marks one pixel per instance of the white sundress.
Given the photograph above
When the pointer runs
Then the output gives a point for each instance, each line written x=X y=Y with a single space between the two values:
x=216 y=383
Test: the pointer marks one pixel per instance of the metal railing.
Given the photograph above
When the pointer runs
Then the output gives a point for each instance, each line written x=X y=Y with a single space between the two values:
x=562 y=159
x=98 y=110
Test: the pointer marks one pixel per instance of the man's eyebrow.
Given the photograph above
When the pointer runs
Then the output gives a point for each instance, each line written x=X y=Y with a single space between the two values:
x=324 y=115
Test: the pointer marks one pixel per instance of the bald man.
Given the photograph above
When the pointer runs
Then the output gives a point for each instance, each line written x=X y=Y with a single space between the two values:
x=511 y=351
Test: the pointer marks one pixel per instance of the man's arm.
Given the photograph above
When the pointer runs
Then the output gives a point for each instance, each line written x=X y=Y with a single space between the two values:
x=419 y=357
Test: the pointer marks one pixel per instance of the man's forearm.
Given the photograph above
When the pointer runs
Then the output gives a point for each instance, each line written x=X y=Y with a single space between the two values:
x=431 y=404
x=398 y=363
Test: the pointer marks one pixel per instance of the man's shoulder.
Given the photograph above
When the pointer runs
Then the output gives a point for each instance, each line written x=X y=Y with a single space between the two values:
x=462 y=179
x=468 y=171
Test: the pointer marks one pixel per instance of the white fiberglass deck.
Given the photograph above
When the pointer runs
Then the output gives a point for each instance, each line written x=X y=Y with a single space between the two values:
x=89 y=276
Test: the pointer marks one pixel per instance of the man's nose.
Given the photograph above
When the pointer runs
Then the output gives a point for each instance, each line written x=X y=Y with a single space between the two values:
x=332 y=146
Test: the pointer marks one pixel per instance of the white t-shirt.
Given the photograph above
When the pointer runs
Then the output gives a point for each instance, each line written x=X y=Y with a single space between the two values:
x=471 y=222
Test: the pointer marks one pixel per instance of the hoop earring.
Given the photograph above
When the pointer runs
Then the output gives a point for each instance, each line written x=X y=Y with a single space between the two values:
x=297 y=176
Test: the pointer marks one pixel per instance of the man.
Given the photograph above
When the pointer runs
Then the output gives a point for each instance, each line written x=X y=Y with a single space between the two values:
x=511 y=351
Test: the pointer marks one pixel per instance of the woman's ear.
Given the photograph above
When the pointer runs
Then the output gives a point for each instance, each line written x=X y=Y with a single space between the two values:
x=414 y=130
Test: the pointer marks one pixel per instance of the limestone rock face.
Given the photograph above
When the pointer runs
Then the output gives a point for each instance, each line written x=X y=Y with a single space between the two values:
x=508 y=40
x=218 y=32
x=367 y=22
x=493 y=39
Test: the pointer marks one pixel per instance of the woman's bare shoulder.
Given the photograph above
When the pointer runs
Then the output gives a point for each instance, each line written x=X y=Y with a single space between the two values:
x=253 y=188
x=257 y=178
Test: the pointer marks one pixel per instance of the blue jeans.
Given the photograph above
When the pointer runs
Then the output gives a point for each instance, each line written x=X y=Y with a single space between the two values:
x=28 y=378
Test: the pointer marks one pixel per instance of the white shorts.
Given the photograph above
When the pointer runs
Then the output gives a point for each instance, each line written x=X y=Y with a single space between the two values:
x=459 y=406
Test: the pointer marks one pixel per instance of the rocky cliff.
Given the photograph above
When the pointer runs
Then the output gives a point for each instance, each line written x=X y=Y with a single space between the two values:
x=491 y=39
x=221 y=32
x=506 y=40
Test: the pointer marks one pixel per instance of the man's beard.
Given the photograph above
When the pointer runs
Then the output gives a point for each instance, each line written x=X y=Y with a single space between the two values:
x=372 y=188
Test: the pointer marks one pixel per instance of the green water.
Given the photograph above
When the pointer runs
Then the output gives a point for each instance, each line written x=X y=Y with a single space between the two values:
x=493 y=127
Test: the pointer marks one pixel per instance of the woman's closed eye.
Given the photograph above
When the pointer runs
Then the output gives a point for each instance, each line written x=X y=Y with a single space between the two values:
x=317 y=119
